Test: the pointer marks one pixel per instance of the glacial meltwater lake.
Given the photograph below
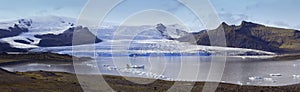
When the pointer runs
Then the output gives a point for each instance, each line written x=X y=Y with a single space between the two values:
x=237 y=70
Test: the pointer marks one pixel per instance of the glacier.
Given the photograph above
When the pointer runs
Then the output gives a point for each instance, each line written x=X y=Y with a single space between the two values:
x=132 y=41
x=36 y=25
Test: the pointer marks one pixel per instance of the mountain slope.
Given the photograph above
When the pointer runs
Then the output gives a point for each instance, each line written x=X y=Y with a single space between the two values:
x=5 y=47
x=45 y=31
x=254 y=36
x=171 y=31
x=144 y=32
x=12 y=31
x=66 y=38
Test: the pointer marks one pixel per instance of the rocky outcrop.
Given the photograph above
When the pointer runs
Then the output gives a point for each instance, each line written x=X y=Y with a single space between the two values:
x=83 y=36
x=5 y=47
x=253 y=36
x=12 y=31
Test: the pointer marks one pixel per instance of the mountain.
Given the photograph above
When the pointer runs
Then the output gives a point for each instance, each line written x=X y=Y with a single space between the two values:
x=66 y=38
x=55 y=34
x=146 y=40
x=40 y=31
x=170 y=32
x=12 y=31
x=146 y=32
x=5 y=47
x=253 y=36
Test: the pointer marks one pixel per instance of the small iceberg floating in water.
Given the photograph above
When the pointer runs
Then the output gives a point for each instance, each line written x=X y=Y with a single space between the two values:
x=135 y=69
x=295 y=65
x=92 y=65
x=275 y=75
x=239 y=83
x=135 y=66
x=49 y=65
x=255 y=78
x=268 y=79
x=109 y=67
x=296 y=76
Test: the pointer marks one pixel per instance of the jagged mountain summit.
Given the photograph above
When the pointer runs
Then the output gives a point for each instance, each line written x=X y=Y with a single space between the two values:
x=253 y=36
x=144 y=32
x=12 y=31
x=170 y=32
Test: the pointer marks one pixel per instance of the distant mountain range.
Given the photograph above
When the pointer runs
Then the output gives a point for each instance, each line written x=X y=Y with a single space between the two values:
x=50 y=31
x=53 y=31
x=253 y=36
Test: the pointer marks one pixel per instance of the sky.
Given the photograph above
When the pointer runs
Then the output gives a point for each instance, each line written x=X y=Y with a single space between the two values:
x=279 y=13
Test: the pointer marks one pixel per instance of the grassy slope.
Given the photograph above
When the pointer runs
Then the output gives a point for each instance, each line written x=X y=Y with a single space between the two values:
x=55 y=81
x=36 y=82
x=7 y=59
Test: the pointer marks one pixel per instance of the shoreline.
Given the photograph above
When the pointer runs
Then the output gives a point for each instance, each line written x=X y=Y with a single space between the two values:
x=51 y=58
x=42 y=79
x=54 y=81
x=173 y=80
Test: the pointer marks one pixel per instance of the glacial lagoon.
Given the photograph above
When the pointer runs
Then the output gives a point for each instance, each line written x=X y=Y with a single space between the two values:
x=237 y=70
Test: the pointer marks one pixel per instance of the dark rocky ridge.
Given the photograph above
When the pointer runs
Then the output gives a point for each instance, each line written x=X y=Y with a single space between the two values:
x=12 y=31
x=5 y=47
x=22 y=41
x=66 y=38
x=48 y=40
x=162 y=29
x=253 y=36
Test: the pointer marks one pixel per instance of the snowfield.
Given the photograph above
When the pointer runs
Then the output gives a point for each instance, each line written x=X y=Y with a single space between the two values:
x=37 y=26
x=150 y=48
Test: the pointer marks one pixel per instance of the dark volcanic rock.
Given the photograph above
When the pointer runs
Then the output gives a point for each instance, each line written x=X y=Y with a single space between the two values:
x=163 y=31
x=12 y=31
x=25 y=22
x=253 y=36
x=82 y=36
x=22 y=41
x=30 y=39
x=5 y=47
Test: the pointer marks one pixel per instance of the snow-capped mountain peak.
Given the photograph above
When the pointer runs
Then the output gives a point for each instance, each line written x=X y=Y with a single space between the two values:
x=37 y=25
x=24 y=23
x=171 y=31
x=42 y=24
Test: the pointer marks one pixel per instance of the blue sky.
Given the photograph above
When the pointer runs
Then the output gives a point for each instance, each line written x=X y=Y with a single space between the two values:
x=281 y=13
